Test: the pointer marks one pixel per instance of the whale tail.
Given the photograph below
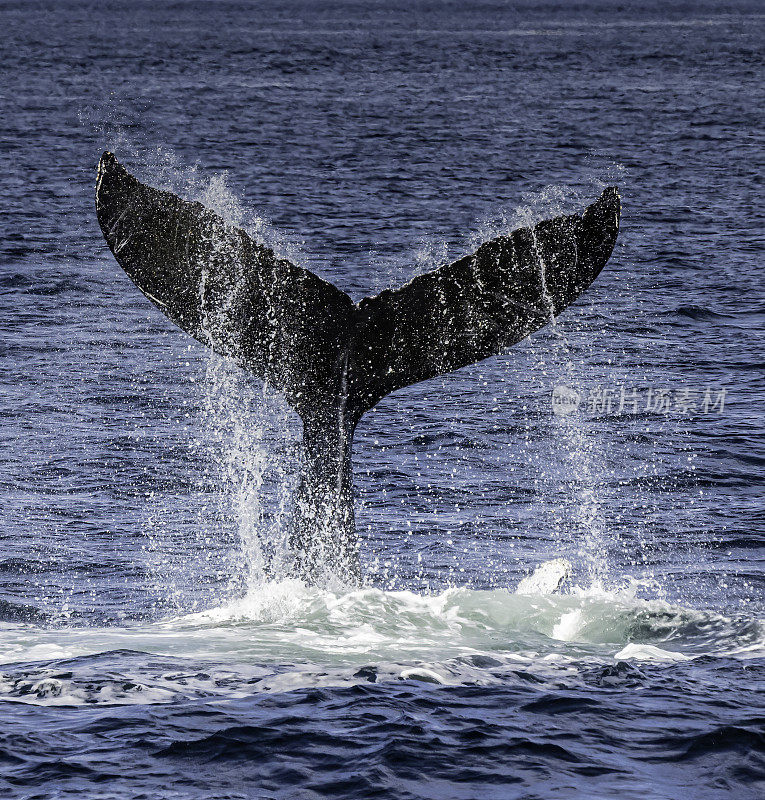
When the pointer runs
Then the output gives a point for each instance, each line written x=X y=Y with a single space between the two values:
x=333 y=359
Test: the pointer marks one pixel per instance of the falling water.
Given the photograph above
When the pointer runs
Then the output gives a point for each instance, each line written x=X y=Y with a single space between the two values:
x=570 y=461
x=250 y=434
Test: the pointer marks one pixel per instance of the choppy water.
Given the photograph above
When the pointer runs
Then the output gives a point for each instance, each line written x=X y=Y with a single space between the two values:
x=146 y=485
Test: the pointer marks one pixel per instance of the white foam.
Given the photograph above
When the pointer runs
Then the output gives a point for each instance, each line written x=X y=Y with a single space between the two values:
x=546 y=578
x=329 y=636
x=568 y=627
x=648 y=652
x=422 y=674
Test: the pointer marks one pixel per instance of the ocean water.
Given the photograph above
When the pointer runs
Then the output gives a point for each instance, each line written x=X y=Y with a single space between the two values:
x=145 y=484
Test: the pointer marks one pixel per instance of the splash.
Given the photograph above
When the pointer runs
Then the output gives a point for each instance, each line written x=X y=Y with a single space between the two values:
x=249 y=445
x=547 y=578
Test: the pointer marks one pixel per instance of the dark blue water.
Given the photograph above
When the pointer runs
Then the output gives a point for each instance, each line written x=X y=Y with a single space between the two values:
x=145 y=483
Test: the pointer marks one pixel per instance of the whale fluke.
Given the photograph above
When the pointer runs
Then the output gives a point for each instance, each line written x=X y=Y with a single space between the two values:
x=333 y=359
x=482 y=304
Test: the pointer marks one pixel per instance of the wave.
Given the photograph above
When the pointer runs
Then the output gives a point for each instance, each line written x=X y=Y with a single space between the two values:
x=43 y=285
x=695 y=313
x=20 y=612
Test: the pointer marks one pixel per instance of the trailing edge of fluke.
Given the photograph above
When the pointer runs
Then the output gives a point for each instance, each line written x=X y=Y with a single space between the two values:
x=334 y=359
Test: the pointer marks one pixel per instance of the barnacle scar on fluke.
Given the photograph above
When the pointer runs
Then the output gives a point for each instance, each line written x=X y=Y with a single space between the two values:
x=334 y=359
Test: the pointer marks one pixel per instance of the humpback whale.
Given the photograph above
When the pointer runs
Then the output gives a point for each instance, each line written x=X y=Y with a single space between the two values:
x=334 y=359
